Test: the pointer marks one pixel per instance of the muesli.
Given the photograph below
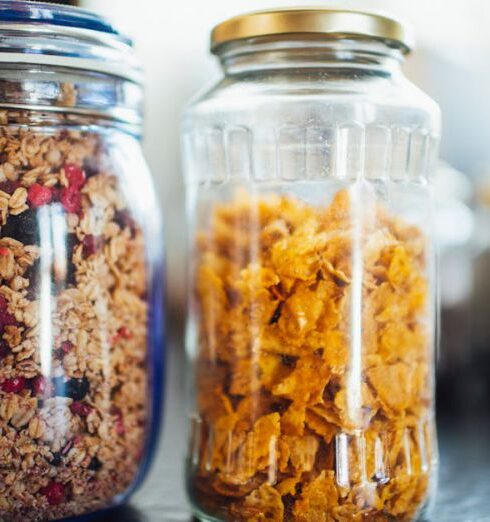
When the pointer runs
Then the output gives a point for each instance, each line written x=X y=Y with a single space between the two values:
x=73 y=326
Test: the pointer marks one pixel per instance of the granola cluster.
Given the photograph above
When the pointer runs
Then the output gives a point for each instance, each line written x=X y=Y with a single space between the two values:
x=73 y=327
x=313 y=368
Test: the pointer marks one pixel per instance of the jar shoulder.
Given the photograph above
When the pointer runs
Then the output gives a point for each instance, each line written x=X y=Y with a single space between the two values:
x=314 y=99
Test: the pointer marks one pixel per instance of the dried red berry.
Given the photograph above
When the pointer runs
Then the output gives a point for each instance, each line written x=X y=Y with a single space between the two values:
x=75 y=175
x=118 y=420
x=39 y=195
x=80 y=408
x=6 y=319
x=70 y=199
x=119 y=426
x=124 y=332
x=15 y=385
x=4 y=251
x=3 y=303
x=41 y=385
x=91 y=245
x=54 y=493
x=9 y=186
x=66 y=346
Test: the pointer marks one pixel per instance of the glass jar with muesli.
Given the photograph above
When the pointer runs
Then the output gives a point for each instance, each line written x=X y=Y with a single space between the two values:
x=80 y=267
x=311 y=324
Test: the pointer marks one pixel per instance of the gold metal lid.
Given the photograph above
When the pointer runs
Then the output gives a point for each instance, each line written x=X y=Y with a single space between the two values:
x=313 y=22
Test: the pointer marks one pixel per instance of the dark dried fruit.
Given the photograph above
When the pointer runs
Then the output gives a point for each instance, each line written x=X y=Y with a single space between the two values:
x=56 y=460
x=95 y=464
x=77 y=389
x=23 y=227
x=71 y=243
x=4 y=349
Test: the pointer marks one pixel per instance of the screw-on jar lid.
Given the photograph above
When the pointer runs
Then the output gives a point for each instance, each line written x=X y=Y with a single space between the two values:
x=55 y=35
x=313 y=22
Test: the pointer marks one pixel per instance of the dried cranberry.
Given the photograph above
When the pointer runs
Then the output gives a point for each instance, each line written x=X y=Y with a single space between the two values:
x=3 y=303
x=119 y=426
x=75 y=175
x=15 y=385
x=4 y=251
x=41 y=386
x=118 y=421
x=80 y=408
x=77 y=389
x=54 y=493
x=91 y=245
x=124 y=332
x=66 y=346
x=70 y=199
x=38 y=195
x=6 y=319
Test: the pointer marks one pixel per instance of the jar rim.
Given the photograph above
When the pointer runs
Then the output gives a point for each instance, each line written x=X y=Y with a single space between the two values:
x=324 y=23
x=66 y=36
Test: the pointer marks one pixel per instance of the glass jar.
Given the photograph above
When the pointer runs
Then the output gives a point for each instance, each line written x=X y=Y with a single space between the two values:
x=312 y=311
x=80 y=267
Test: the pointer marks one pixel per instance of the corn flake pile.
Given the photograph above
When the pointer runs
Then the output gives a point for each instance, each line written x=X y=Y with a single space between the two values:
x=313 y=370
x=73 y=327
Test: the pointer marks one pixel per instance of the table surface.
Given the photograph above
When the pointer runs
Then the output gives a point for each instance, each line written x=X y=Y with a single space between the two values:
x=464 y=478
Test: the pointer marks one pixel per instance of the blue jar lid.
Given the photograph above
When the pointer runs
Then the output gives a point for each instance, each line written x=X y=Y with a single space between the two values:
x=64 y=36
x=54 y=14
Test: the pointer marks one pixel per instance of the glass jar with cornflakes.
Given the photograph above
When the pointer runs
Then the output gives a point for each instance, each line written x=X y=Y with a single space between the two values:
x=311 y=324
x=80 y=267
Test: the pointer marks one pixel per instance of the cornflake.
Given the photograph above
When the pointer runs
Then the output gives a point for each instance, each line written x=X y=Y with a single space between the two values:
x=314 y=387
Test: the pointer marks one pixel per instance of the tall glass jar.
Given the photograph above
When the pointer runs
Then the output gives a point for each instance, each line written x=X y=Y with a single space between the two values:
x=80 y=267
x=312 y=312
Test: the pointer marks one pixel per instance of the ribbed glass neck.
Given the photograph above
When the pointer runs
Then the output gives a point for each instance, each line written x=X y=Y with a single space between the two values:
x=368 y=56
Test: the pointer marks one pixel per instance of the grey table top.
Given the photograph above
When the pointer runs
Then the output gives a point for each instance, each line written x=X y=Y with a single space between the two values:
x=464 y=478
